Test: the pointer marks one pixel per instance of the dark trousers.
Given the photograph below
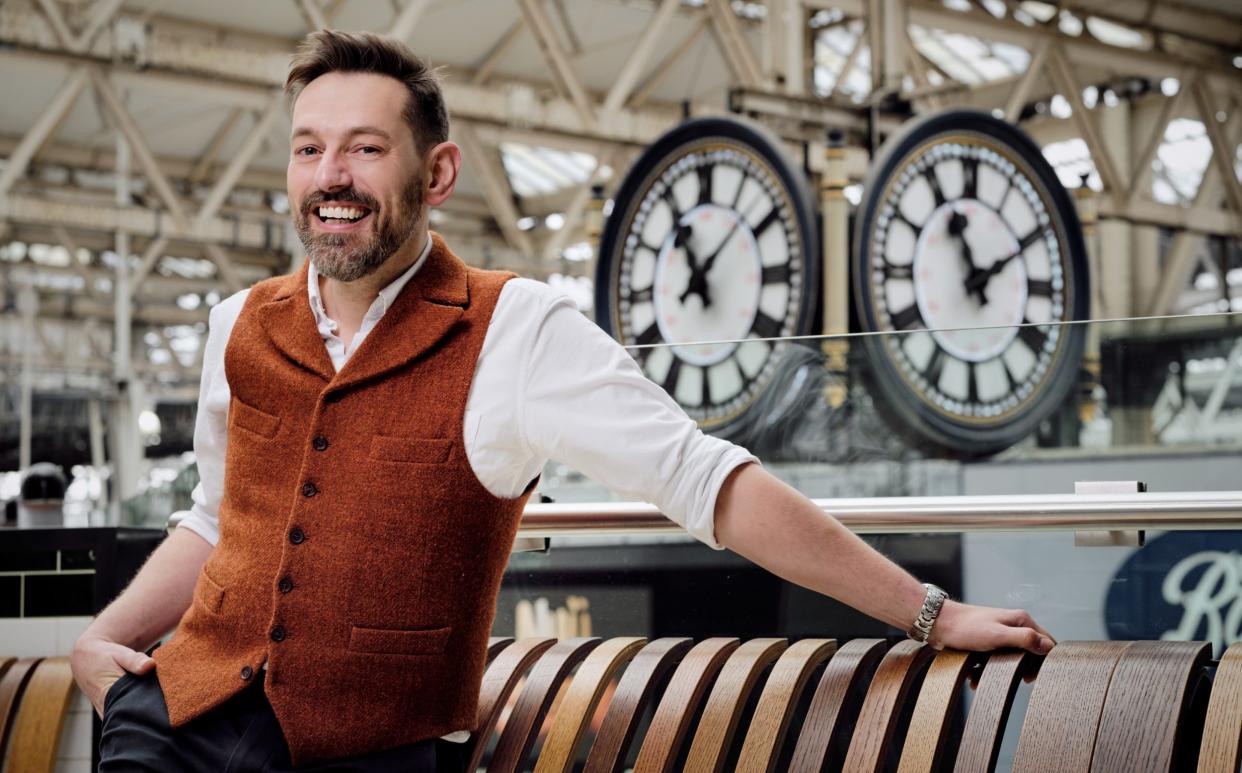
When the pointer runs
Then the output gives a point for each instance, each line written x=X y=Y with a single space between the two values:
x=239 y=736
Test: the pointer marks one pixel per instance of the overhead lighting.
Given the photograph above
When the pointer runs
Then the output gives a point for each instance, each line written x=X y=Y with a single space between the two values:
x=526 y=223
x=554 y=221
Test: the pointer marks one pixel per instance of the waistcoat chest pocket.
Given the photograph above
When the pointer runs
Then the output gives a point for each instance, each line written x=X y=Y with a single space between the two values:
x=250 y=418
x=412 y=450
x=209 y=593
x=398 y=641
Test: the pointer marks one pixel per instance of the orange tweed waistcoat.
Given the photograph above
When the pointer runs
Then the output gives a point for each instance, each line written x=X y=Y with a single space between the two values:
x=359 y=556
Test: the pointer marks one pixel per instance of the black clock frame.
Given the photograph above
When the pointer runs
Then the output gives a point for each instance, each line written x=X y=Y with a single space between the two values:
x=907 y=411
x=651 y=163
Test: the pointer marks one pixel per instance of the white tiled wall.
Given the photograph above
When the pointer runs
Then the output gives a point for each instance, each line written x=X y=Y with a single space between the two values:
x=51 y=637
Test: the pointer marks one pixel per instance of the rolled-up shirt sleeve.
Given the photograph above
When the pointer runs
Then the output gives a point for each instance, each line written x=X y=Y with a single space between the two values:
x=587 y=404
x=211 y=426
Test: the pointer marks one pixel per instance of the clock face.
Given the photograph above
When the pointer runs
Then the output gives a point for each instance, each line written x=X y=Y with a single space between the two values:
x=703 y=258
x=969 y=252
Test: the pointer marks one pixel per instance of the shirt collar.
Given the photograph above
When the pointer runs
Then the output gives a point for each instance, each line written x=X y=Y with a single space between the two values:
x=386 y=295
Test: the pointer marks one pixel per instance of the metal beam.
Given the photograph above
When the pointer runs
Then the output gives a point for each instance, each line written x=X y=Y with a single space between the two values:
x=638 y=56
x=733 y=46
x=490 y=173
x=313 y=14
x=848 y=64
x=483 y=70
x=577 y=206
x=241 y=159
x=41 y=130
x=558 y=62
x=1171 y=107
x=224 y=266
x=1022 y=91
x=150 y=257
x=125 y=123
x=201 y=167
x=1084 y=119
x=644 y=91
x=405 y=22
x=1224 y=154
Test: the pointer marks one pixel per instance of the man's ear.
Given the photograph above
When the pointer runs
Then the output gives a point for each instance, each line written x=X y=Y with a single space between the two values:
x=444 y=162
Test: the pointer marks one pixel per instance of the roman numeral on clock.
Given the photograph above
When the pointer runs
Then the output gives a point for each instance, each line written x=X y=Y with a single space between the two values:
x=705 y=184
x=776 y=275
x=1040 y=287
x=933 y=182
x=895 y=271
x=643 y=295
x=765 y=327
x=649 y=336
x=935 y=366
x=768 y=220
x=674 y=372
x=970 y=178
x=1029 y=239
x=908 y=318
x=1032 y=336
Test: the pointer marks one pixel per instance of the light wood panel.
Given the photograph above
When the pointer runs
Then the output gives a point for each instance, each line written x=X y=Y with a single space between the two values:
x=560 y=750
x=41 y=717
x=989 y=710
x=727 y=700
x=505 y=671
x=938 y=699
x=495 y=644
x=1063 y=715
x=634 y=691
x=829 y=722
x=13 y=682
x=766 y=734
x=676 y=710
x=877 y=720
x=1221 y=750
x=1147 y=700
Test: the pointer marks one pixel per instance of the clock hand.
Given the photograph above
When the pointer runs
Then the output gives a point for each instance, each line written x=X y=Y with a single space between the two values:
x=711 y=259
x=981 y=278
x=957 y=227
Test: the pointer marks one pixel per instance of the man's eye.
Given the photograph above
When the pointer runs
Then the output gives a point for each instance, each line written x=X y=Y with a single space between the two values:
x=369 y=149
x=305 y=151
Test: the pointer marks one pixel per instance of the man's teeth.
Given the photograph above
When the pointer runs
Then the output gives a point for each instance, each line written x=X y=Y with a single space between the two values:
x=340 y=213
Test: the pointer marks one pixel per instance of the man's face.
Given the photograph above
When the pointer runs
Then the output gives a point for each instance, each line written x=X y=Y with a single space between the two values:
x=355 y=177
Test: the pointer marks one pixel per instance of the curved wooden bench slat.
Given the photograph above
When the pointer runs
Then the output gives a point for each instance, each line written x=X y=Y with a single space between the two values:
x=560 y=750
x=1064 y=712
x=1221 y=750
x=505 y=671
x=989 y=710
x=762 y=747
x=681 y=700
x=835 y=705
x=12 y=684
x=522 y=727
x=877 y=720
x=1147 y=697
x=942 y=688
x=495 y=644
x=726 y=702
x=638 y=683
x=41 y=717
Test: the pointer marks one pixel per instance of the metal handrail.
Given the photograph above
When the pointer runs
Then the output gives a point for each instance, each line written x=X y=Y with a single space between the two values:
x=918 y=515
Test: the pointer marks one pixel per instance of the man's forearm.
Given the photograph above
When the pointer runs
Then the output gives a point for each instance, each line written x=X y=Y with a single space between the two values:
x=158 y=596
x=768 y=522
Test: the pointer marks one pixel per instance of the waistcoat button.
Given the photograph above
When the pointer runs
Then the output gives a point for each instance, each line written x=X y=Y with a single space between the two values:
x=320 y=443
x=285 y=585
x=246 y=672
x=309 y=490
x=297 y=537
x=278 y=634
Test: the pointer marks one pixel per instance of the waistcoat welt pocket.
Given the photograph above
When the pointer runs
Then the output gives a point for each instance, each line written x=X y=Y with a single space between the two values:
x=251 y=418
x=413 y=450
x=209 y=593
x=399 y=641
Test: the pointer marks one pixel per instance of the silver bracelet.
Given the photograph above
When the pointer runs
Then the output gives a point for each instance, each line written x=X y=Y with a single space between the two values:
x=932 y=604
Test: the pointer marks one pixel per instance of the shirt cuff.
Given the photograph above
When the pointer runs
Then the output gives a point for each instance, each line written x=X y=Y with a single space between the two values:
x=702 y=525
x=199 y=524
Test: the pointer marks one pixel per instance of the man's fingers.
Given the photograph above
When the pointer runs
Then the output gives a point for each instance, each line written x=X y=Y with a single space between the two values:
x=135 y=662
x=1031 y=640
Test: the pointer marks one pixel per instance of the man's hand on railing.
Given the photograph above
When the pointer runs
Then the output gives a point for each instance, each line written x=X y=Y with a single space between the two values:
x=969 y=627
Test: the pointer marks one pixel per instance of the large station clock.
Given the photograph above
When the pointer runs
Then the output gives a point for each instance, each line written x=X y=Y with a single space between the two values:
x=967 y=253
x=711 y=250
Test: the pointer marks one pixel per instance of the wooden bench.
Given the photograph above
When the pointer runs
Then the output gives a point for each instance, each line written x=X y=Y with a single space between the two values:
x=34 y=700
x=768 y=705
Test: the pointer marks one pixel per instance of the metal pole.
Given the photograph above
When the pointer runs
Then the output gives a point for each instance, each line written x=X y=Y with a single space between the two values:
x=836 y=270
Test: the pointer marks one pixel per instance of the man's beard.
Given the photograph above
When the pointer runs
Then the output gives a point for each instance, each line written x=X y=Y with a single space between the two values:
x=332 y=254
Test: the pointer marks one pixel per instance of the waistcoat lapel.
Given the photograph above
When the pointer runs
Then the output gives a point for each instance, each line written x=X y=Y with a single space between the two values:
x=290 y=324
x=423 y=313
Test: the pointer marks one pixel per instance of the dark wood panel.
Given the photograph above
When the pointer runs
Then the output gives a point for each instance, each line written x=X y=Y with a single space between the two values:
x=830 y=719
x=989 y=710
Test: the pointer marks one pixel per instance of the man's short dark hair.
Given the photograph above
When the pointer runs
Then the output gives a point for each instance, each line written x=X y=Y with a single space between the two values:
x=326 y=51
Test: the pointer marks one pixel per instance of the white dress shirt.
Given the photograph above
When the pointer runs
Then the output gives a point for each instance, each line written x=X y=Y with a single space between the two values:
x=548 y=384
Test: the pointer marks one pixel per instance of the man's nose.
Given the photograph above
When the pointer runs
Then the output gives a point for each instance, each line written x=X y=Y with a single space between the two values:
x=332 y=173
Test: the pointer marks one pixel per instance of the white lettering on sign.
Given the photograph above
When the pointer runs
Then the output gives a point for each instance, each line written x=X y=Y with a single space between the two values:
x=1213 y=600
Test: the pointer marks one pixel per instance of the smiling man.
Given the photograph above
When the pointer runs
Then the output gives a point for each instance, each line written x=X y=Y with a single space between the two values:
x=369 y=430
